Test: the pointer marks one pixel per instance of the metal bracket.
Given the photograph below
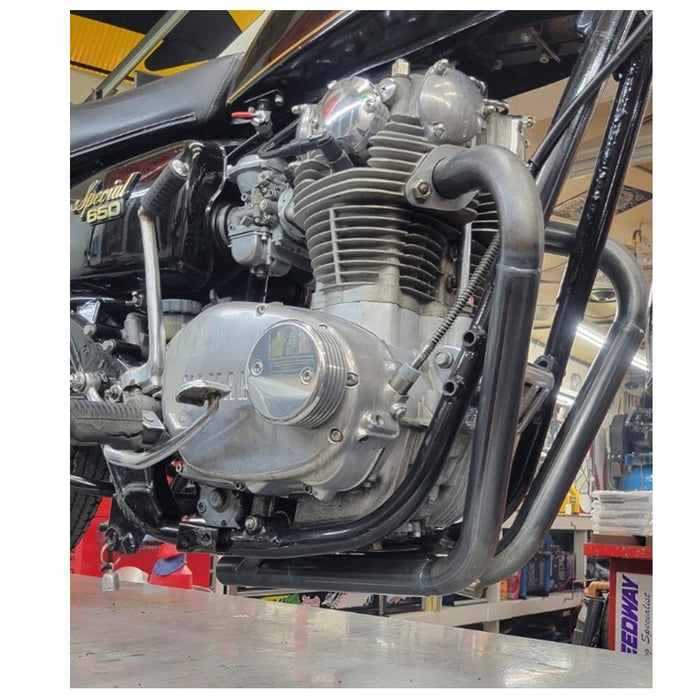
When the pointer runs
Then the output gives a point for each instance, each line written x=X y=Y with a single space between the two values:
x=419 y=190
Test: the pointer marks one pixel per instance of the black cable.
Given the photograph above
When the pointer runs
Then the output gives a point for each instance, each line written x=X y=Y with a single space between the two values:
x=271 y=147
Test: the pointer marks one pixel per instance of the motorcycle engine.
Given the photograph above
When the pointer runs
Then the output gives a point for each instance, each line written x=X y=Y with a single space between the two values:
x=312 y=414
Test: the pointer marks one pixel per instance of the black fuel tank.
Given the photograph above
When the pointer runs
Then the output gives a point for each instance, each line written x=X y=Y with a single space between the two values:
x=105 y=248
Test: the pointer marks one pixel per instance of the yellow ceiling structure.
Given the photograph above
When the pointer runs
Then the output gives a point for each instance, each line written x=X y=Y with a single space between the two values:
x=99 y=40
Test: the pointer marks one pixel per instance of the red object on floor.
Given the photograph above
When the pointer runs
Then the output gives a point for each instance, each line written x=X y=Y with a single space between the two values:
x=87 y=558
x=171 y=568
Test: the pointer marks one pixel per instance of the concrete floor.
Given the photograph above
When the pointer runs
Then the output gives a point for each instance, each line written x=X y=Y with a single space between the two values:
x=159 y=637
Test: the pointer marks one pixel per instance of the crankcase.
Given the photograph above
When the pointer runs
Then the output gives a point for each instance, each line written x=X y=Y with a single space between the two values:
x=309 y=409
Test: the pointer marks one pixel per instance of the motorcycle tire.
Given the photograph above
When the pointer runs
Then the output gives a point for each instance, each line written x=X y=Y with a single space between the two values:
x=89 y=463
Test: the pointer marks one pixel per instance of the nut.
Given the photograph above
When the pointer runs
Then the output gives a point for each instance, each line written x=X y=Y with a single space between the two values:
x=401 y=67
x=253 y=523
x=421 y=190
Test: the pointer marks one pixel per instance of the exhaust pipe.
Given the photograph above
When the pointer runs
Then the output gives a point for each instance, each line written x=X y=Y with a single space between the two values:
x=558 y=471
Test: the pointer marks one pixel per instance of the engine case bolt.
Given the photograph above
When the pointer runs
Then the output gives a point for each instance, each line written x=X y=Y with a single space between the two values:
x=387 y=89
x=443 y=359
x=398 y=410
x=201 y=507
x=438 y=130
x=217 y=499
x=335 y=435
x=441 y=66
x=256 y=368
x=352 y=379
x=306 y=375
x=253 y=523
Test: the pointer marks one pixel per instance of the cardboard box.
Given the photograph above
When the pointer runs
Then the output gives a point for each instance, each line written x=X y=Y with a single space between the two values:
x=633 y=613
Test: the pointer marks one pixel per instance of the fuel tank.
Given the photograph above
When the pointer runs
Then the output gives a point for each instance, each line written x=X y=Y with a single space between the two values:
x=105 y=235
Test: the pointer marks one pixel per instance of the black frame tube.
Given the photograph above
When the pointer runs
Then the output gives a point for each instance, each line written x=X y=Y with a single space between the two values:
x=606 y=31
x=579 y=277
x=564 y=118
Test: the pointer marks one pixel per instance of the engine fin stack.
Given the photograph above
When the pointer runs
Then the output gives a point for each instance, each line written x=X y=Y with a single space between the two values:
x=365 y=241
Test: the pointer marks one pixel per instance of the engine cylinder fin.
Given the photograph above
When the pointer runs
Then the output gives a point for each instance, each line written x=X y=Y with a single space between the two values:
x=361 y=230
x=484 y=227
x=400 y=145
x=372 y=240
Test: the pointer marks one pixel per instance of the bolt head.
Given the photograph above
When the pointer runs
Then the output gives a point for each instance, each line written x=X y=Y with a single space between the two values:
x=441 y=66
x=253 y=523
x=398 y=410
x=216 y=499
x=438 y=130
x=443 y=359
x=256 y=368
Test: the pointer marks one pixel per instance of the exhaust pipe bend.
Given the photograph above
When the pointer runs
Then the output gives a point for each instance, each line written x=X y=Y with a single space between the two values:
x=512 y=312
x=558 y=471
x=510 y=323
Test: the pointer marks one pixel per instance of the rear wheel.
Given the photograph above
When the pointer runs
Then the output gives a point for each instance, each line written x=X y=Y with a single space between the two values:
x=89 y=463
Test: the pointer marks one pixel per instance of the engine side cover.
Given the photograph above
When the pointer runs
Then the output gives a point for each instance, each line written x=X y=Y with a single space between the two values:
x=319 y=417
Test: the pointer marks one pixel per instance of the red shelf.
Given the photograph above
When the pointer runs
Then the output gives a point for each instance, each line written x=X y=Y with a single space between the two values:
x=616 y=551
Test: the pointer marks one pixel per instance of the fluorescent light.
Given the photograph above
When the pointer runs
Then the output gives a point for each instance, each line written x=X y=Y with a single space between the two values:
x=598 y=340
